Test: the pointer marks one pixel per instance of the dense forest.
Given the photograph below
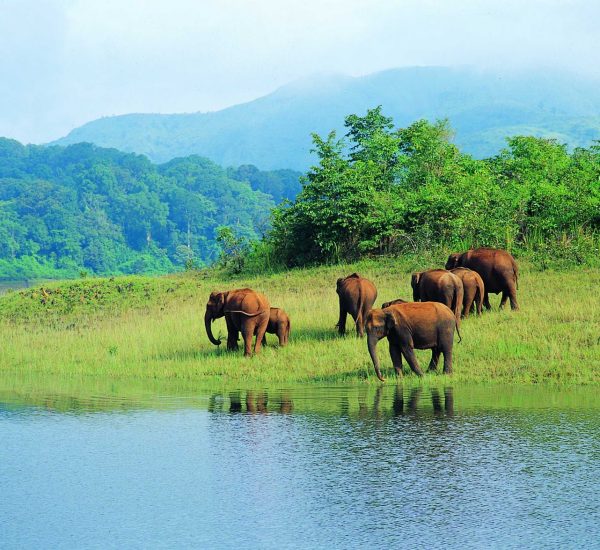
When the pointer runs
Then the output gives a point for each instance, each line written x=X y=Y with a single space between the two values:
x=380 y=189
x=65 y=211
x=377 y=189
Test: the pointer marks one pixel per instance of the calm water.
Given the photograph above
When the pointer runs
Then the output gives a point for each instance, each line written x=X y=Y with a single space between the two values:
x=298 y=468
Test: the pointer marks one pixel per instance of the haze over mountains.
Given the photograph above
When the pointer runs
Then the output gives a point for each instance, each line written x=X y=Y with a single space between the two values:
x=274 y=131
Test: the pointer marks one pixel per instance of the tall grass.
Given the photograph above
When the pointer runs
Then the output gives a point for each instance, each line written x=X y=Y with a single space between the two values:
x=152 y=329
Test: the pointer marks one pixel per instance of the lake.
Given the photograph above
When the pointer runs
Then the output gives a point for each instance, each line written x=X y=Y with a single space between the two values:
x=338 y=467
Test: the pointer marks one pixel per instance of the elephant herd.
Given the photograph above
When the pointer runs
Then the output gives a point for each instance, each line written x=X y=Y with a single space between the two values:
x=440 y=298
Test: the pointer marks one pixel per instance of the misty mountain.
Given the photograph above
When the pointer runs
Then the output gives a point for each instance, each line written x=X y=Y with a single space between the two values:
x=274 y=131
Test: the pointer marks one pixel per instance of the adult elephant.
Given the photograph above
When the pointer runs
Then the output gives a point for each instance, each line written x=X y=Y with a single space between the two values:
x=439 y=285
x=245 y=311
x=497 y=268
x=427 y=325
x=474 y=289
x=357 y=296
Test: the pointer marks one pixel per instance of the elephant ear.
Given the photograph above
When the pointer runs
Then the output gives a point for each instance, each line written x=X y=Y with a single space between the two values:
x=391 y=320
x=414 y=280
x=219 y=300
x=452 y=261
x=338 y=284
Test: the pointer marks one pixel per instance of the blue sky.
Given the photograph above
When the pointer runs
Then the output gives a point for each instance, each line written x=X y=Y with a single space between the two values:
x=65 y=62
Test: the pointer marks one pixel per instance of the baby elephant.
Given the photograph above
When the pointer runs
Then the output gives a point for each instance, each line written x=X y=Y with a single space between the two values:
x=279 y=323
x=420 y=325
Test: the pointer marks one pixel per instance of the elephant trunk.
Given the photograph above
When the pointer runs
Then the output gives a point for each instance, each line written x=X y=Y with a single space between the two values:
x=208 y=318
x=372 y=344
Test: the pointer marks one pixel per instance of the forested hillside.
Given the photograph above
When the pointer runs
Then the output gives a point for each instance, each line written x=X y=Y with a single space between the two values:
x=84 y=208
x=484 y=108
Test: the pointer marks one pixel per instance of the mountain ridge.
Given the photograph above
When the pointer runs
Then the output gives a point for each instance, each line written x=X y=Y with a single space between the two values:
x=273 y=131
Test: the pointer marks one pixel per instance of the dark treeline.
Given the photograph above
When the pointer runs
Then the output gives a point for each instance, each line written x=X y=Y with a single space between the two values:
x=64 y=210
x=381 y=190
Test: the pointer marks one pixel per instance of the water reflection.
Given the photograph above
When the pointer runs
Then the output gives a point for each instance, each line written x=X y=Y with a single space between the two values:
x=403 y=402
x=338 y=467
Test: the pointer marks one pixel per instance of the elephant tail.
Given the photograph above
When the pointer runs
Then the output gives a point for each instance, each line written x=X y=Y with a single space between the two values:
x=244 y=313
x=359 y=308
x=457 y=300
x=458 y=332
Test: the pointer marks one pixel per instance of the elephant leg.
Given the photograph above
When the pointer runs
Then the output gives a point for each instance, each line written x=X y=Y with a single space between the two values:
x=247 y=336
x=411 y=359
x=260 y=331
x=435 y=357
x=232 y=335
x=468 y=303
x=396 y=357
x=360 y=325
x=281 y=336
x=486 y=300
x=447 y=360
x=512 y=295
x=341 y=326
x=264 y=340
x=504 y=299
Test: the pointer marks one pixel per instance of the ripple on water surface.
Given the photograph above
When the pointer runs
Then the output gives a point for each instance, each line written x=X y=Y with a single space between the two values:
x=301 y=468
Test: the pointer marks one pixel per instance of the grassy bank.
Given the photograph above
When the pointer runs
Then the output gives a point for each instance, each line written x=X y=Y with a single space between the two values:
x=151 y=328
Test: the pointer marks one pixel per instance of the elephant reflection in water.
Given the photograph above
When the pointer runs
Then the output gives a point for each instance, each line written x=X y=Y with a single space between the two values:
x=257 y=402
x=410 y=405
x=414 y=398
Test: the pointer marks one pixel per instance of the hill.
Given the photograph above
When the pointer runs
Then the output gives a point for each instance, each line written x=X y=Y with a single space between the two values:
x=274 y=131
x=82 y=207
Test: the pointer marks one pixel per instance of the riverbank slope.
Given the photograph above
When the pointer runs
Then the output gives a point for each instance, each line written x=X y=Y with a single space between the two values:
x=152 y=328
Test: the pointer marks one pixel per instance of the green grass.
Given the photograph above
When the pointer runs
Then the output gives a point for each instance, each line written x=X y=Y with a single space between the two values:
x=151 y=329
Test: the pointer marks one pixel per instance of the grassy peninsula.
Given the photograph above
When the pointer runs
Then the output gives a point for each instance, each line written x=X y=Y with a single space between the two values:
x=151 y=328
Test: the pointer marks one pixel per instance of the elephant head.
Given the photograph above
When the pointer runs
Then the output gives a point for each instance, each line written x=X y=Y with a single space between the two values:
x=388 y=304
x=453 y=260
x=379 y=323
x=215 y=308
x=414 y=282
x=341 y=280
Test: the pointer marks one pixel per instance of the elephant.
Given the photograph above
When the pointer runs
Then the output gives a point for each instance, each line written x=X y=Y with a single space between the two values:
x=474 y=289
x=439 y=285
x=357 y=296
x=245 y=311
x=279 y=323
x=425 y=325
x=397 y=301
x=496 y=267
